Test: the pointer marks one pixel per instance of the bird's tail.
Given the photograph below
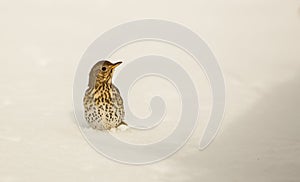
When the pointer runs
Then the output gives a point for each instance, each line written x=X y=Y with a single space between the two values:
x=122 y=123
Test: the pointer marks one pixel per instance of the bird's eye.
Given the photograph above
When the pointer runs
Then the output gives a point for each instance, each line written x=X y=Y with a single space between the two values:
x=103 y=68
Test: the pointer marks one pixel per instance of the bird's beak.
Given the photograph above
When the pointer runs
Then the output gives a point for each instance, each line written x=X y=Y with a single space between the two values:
x=116 y=64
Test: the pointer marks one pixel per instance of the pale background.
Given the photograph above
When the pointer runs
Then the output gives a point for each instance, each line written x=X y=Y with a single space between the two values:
x=256 y=43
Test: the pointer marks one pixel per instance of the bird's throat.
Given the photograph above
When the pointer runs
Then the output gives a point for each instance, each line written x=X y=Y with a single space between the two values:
x=102 y=90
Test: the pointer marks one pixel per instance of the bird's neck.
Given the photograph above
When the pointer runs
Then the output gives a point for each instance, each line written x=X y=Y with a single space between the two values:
x=103 y=85
x=100 y=88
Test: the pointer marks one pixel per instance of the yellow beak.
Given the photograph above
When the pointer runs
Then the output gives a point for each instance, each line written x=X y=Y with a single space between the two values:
x=116 y=64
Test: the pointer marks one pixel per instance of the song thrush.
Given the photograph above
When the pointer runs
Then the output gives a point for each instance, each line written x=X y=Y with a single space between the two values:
x=103 y=104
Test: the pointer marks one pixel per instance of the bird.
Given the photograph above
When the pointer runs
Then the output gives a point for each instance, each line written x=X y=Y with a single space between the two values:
x=103 y=104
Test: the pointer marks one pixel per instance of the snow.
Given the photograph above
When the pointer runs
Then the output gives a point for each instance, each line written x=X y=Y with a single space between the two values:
x=256 y=43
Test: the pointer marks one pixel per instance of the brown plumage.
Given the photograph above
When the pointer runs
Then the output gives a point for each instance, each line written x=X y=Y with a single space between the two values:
x=103 y=104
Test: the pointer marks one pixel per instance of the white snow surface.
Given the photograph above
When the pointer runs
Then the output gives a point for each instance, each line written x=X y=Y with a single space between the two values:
x=257 y=46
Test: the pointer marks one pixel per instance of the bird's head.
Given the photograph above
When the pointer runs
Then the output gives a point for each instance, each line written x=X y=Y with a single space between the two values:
x=102 y=72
